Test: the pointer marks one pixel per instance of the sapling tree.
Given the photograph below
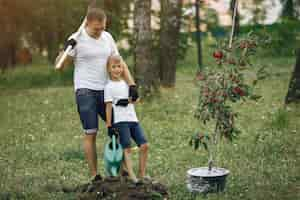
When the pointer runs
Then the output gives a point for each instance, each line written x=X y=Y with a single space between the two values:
x=224 y=85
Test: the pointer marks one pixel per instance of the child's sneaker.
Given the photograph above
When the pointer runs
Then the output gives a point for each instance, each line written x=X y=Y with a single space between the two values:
x=124 y=173
x=96 y=178
x=147 y=178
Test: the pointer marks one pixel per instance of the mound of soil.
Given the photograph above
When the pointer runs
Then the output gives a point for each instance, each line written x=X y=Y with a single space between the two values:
x=122 y=189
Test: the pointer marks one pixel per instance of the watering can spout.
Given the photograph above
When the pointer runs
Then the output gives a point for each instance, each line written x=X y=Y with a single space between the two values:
x=114 y=171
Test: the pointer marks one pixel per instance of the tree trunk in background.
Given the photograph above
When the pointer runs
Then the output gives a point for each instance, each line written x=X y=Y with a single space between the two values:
x=8 y=46
x=169 y=40
x=237 y=18
x=52 y=46
x=144 y=72
x=293 y=94
x=288 y=10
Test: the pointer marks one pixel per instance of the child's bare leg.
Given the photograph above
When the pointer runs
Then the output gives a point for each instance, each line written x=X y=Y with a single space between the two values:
x=128 y=163
x=124 y=168
x=143 y=159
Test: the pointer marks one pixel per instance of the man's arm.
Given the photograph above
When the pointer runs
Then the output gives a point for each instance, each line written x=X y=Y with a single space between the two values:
x=68 y=61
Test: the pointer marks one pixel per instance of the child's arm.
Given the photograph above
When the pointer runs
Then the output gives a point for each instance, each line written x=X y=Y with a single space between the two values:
x=127 y=75
x=108 y=114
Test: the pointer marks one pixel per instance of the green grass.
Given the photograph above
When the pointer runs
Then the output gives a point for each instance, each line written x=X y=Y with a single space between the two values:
x=40 y=136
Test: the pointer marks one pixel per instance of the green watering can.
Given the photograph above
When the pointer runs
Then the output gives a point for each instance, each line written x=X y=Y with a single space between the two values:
x=113 y=157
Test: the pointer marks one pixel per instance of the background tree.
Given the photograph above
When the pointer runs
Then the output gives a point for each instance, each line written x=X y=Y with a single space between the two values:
x=52 y=24
x=259 y=11
x=144 y=72
x=257 y=8
x=46 y=24
x=14 y=25
x=290 y=9
x=118 y=13
x=293 y=94
x=169 y=40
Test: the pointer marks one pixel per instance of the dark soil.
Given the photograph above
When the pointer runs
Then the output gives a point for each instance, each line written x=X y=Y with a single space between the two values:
x=121 y=189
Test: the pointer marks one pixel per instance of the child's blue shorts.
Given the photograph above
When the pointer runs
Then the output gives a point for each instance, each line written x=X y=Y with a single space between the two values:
x=128 y=130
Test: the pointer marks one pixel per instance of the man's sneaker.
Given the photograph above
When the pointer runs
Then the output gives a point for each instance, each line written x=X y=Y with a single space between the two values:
x=96 y=178
x=91 y=186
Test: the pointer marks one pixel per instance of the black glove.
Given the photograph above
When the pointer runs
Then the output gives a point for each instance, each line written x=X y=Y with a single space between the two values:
x=71 y=42
x=111 y=131
x=133 y=92
x=122 y=102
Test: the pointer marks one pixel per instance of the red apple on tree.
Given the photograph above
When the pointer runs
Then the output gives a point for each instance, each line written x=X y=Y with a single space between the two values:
x=218 y=54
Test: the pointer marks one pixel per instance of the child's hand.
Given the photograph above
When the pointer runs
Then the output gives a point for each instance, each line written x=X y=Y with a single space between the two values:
x=133 y=92
x=134 y=102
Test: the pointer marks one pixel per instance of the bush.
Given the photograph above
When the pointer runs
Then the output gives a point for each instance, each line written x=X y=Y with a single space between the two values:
x=285 y=37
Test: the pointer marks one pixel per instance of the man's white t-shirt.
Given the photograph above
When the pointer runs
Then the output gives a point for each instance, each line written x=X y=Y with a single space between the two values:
x=114 y=91
x=90 y=58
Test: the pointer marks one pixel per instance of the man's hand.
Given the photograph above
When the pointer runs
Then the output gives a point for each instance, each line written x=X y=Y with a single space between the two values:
x=71 y=42
x=133 y=93
x=122 y=102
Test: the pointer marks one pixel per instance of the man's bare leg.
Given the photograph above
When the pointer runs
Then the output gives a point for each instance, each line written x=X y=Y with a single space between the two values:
x=143 y=155
x=89 y=145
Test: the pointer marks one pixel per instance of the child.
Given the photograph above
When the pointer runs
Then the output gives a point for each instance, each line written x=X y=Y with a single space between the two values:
x=120 y=115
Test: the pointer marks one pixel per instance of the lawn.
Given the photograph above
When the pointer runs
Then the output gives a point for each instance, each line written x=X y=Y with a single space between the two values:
x=40 y=136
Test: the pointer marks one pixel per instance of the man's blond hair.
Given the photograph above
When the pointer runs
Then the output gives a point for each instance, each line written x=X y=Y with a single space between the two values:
x=95 y=14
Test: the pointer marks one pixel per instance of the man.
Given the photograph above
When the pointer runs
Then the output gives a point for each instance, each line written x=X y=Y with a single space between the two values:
x=90 y=54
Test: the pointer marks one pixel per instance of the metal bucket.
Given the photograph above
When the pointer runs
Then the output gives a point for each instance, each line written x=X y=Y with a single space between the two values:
x=202 y=180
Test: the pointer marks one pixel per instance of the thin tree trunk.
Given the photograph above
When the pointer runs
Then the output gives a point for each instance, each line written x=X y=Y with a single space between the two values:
x=143 y=71
x=52 y=46
x=169 y=39
x=293 y=94
x=237 y=18
x=198 y=36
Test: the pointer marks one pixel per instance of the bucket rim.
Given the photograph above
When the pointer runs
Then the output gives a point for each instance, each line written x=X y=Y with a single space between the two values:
x=204 y=172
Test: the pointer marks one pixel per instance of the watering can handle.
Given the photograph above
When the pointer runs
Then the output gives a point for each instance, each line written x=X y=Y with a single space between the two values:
x=114 y=142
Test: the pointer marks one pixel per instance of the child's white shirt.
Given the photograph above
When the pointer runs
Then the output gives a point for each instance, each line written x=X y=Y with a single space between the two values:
x=113 y=92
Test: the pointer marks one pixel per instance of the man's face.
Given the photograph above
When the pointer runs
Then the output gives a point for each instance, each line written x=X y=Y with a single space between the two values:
x=96 y=27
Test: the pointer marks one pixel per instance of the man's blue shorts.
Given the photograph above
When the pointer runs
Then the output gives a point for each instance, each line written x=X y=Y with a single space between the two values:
x=129 y=130
x=90 y=104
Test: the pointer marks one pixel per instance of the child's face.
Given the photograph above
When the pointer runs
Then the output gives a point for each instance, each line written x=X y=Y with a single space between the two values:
x=115 y=69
